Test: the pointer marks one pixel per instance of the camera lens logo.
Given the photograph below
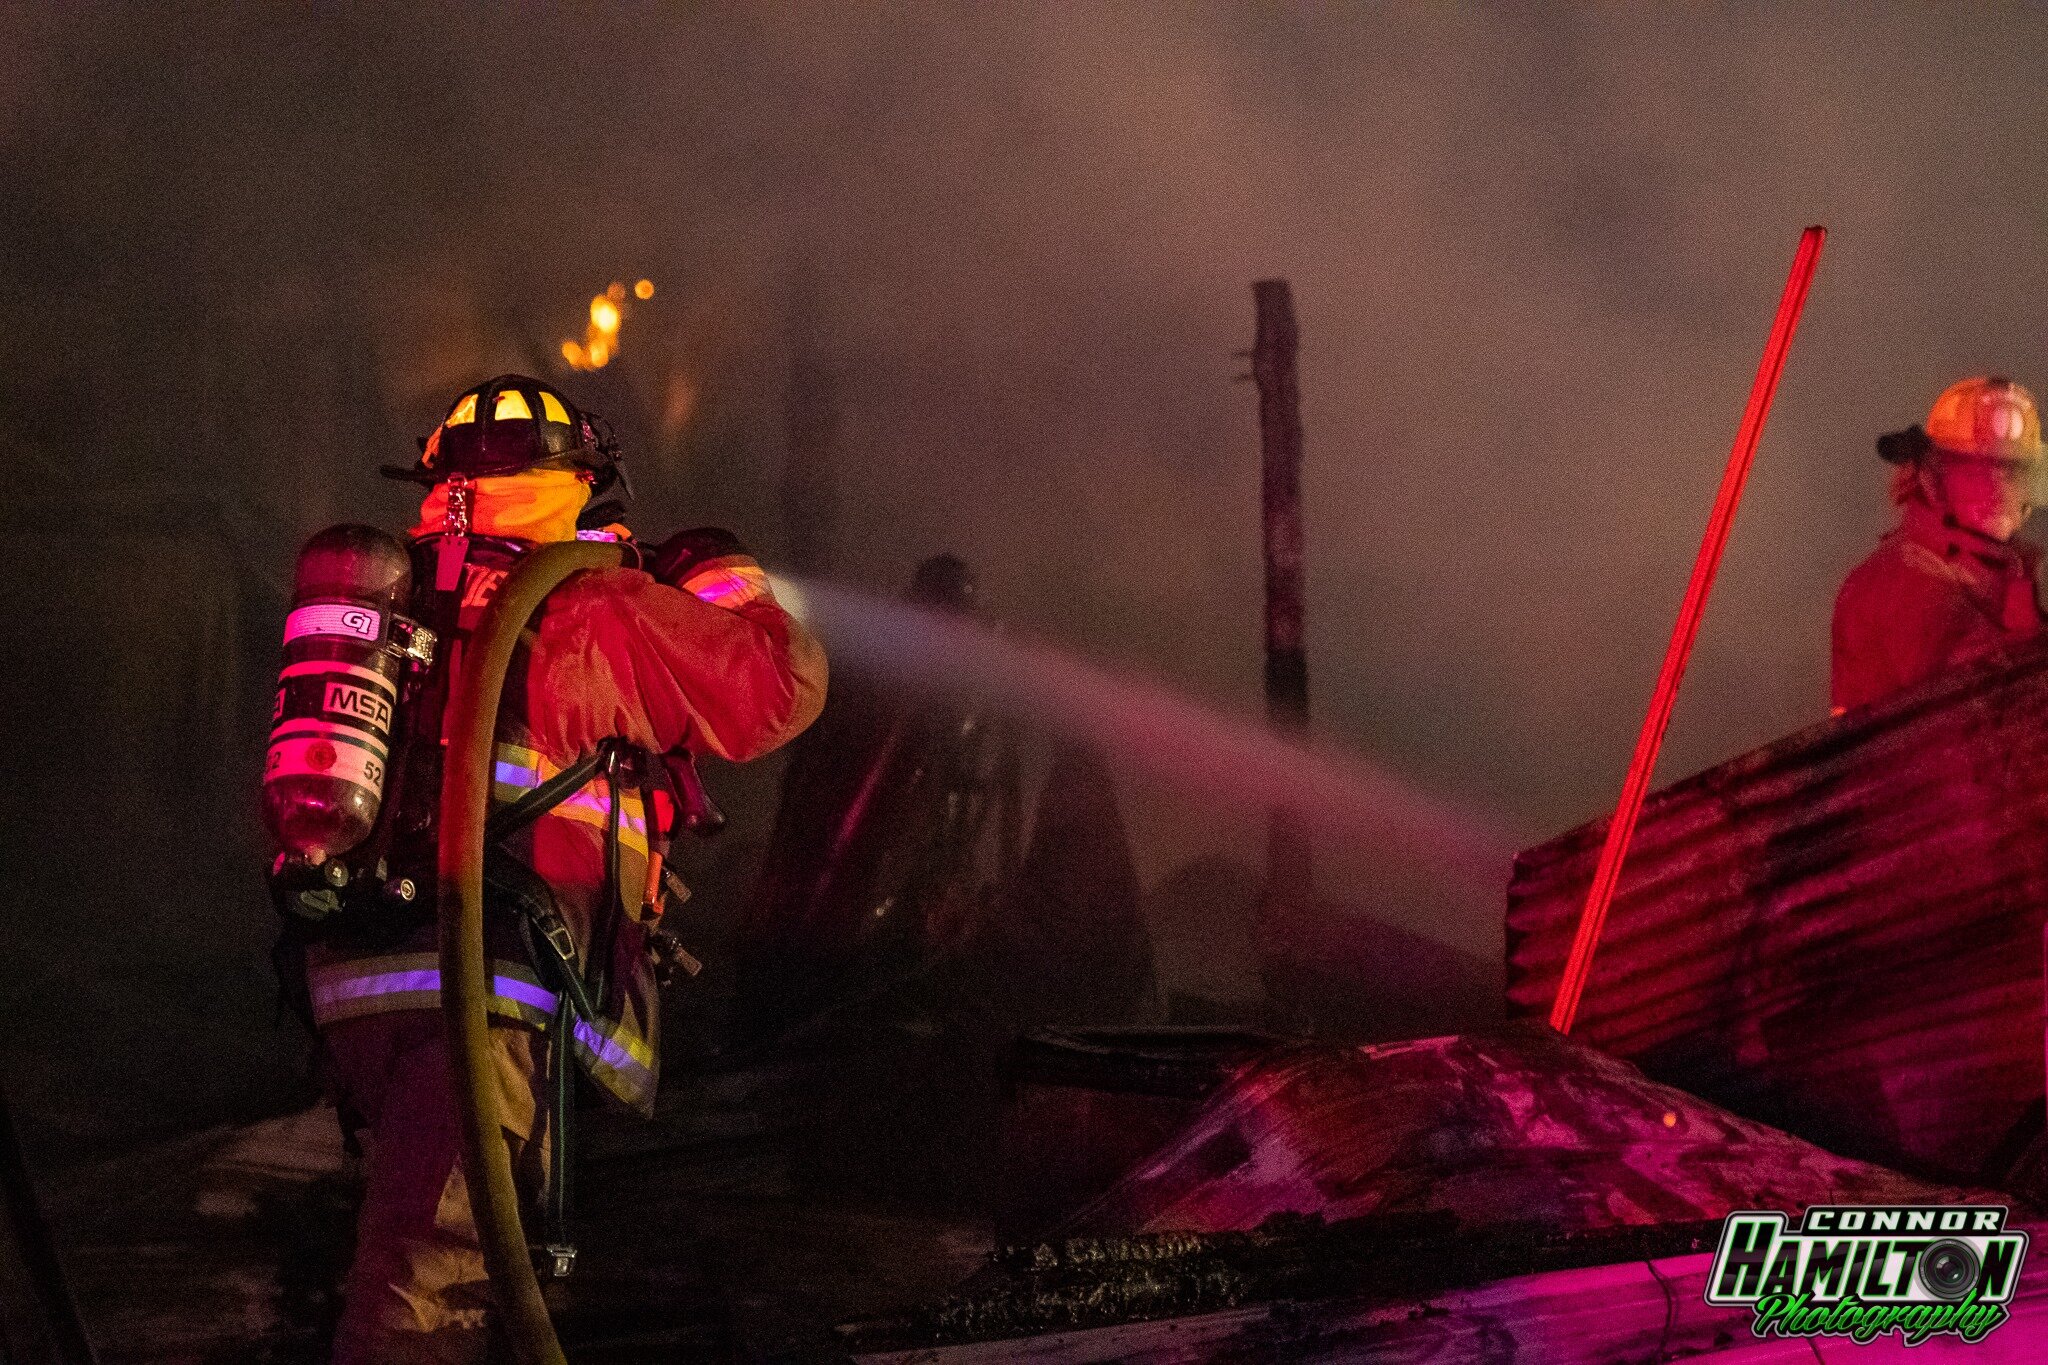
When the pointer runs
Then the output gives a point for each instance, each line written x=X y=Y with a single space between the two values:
x=1948 y=1270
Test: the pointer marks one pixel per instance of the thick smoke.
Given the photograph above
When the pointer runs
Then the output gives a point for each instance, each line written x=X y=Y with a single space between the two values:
x=1535 y=250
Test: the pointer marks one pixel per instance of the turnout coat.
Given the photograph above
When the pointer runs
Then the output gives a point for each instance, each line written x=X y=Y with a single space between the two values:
x=692 y=655
x=1931 y=596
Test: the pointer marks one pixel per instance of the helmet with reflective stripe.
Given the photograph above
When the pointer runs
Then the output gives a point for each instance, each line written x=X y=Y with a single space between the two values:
x=1986 y=419
x=1982 y=418
x=502 y=426
x=511 y=423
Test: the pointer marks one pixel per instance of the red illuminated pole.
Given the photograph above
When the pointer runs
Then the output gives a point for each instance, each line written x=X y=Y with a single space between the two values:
x=1564 y=1012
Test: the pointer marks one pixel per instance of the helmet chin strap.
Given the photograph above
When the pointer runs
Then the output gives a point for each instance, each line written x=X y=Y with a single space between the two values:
x=454 y=547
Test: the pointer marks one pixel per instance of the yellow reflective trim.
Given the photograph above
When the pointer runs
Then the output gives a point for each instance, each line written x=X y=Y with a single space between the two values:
x=629 y=1038
x=511 y=405
x=584 y=806
x=465 y=411
x=551 y=407
x=617 y=1059
x=576 y=812
x=398 y=982
x=731 y=582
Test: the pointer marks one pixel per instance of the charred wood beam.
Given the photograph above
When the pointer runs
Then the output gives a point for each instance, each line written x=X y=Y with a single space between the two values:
x=1099 y=1282
x=1289 y=879
x=39 y=1322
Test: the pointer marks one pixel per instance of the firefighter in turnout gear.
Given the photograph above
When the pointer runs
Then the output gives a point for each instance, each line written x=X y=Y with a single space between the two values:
x=1950 y=583
x=624 y=676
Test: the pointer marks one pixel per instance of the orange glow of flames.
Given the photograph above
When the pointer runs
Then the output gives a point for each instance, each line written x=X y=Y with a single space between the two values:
x=600 y=341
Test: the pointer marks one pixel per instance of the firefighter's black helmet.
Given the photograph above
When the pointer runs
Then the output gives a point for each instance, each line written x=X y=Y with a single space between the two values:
x=511 y=423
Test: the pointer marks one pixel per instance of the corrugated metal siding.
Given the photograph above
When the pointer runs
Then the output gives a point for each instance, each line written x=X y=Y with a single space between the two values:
x=1839 y=933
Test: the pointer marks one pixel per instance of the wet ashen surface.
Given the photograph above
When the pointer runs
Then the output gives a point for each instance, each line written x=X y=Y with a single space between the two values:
x=1495 y=1192
x=705 y=1235
x=830 y=1198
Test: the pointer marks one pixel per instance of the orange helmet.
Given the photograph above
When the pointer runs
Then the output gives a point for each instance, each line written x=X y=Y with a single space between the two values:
x=1986 y=419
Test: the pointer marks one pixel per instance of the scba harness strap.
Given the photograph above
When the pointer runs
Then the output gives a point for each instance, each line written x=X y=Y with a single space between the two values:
x=554 y=994
x=579 y=1028
x=615 y=1056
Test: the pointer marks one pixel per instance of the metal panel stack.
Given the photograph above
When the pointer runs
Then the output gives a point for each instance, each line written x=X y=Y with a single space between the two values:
x=1840 y=933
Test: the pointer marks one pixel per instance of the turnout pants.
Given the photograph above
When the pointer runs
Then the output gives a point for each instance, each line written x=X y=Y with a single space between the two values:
x=417 y=1291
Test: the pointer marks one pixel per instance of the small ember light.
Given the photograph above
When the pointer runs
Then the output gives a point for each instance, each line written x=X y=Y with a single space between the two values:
x=601 y=336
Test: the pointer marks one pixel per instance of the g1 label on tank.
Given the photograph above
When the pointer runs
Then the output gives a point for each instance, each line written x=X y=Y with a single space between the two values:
x=335 y=618
x=343 y=699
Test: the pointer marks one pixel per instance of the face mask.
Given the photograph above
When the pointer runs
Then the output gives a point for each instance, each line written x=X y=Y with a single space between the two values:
x=540 y=505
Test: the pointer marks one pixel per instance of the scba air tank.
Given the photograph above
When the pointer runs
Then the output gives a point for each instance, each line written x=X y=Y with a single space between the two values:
x=337 y=694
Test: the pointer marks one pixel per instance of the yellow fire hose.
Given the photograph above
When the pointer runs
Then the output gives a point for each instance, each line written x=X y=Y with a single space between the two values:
x=465 y=801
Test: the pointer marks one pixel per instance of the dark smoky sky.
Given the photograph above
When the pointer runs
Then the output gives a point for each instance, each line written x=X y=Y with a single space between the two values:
x=251 y=249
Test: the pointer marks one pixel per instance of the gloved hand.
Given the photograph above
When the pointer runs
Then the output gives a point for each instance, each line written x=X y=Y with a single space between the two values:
x=676 y=558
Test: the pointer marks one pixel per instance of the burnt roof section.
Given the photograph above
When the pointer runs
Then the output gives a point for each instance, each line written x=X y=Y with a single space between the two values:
x=1516 y=1124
